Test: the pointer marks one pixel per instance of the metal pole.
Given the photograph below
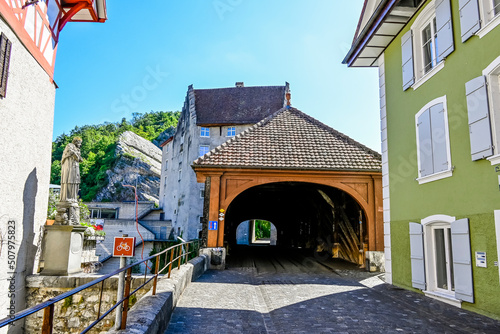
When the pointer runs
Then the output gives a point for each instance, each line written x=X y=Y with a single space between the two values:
x=121 y=287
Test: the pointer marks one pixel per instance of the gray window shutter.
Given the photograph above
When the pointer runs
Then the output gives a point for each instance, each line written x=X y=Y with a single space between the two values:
x=407 y=59
x=417 y=256
x=462 y=264
x=5 y=48
x=470 y=21
x=444 y=29
x=479 y=118
x=425 y=143
x=439 y=145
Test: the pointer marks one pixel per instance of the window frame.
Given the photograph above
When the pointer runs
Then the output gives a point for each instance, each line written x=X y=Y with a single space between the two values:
x=204 y=132
x=429 y=224
x=488 y=20
x=492 y=74
x=231 y=131
x=207 y=147
x=449 y=170
x=426 y=17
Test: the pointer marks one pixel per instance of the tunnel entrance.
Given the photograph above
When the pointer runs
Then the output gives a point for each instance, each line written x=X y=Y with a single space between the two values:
x=316 y=218
x=256 y=232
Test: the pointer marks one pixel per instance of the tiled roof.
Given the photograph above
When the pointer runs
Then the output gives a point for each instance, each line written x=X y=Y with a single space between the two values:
x=237 y=105
x=290 y=139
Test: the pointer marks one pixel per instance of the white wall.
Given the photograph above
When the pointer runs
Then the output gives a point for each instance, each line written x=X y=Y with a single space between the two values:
x=26 y=115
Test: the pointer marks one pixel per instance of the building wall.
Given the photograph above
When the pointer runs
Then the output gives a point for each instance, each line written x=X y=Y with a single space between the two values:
x=473 y=189
x=26 y=125
x=180 y=198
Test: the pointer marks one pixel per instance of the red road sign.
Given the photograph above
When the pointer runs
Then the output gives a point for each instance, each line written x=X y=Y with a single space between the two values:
x=124 y=246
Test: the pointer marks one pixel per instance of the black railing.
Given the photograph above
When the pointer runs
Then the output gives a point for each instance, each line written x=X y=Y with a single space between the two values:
x=179 y=254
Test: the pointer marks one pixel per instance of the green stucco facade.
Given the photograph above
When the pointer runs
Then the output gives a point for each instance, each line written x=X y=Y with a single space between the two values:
x=472 y=191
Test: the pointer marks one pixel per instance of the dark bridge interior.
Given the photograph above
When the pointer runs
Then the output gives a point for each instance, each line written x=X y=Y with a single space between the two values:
x=309 y=216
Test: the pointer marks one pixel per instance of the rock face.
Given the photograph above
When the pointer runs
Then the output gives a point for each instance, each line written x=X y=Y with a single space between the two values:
x=138 y=161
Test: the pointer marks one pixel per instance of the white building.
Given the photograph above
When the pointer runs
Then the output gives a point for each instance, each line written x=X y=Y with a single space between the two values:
x=209 y=118
x=29 y=34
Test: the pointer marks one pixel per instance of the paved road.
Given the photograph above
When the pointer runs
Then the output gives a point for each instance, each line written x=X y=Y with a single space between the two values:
x=290 y=293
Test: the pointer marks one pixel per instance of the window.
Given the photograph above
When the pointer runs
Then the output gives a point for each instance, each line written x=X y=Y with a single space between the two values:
x=103 y=213
x=231 y=131
x=204 y=149
x=180 y=174
x=433 y=144
x=166 y=165
x=478 y=17
x=440 y=246
x=205 y=132
x=5 y=48
x=202 y=193
x=483 y=108
x=427 y=44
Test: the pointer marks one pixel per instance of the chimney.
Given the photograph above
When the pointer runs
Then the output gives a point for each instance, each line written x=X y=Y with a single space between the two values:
x=240 y=84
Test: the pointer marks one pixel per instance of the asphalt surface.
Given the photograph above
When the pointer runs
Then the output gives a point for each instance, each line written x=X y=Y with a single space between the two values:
x=266 y=291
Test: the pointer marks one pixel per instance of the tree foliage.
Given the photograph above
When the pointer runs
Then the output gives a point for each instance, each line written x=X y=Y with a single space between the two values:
x=99 y=143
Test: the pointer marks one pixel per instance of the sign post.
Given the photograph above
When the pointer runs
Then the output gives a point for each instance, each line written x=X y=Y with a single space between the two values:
x=123 y=247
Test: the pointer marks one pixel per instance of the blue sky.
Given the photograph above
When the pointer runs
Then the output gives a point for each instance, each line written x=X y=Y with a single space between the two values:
x=145 y=56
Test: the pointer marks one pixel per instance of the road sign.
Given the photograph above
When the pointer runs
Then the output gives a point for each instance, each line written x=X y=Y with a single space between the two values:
x=213 y=225
x=124 y=246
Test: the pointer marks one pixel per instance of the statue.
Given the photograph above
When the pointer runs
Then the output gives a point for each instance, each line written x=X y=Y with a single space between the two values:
x=68 y=211
x=70 y=171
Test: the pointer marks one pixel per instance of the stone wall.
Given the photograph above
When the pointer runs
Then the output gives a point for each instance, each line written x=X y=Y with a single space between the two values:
x=72 y=314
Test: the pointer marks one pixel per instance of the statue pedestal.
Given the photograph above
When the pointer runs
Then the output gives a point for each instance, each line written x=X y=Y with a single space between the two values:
x=62 y=253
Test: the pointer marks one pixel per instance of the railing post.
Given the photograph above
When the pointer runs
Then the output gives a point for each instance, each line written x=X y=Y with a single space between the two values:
x=48 y=318
x=171 y=260
x=180 y=257
x=156 y=273
x=100 y=300
x=125 y=302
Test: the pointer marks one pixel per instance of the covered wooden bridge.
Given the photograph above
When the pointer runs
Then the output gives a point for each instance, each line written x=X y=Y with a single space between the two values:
x=321 y=189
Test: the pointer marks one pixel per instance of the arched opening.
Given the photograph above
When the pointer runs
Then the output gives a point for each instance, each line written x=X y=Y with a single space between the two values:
x=316 y=218
x=256 y=232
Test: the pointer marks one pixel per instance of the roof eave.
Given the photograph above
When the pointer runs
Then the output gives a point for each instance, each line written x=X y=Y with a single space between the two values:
x=373 y=24
x=390 y=17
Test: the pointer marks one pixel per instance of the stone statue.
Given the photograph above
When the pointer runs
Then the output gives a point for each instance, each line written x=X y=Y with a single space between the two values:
x=70 y=171
x=68 y=211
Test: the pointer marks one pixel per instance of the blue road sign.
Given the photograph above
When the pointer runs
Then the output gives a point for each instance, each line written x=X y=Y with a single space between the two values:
x=212 y=225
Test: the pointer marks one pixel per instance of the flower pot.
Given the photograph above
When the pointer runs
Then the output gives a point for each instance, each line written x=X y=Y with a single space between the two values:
x=50 y=221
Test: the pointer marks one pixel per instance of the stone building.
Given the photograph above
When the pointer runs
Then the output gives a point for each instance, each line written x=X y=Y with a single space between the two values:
x=29 y=34
x=209 y=118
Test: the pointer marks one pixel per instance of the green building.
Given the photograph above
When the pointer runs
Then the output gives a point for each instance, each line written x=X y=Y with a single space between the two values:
x=439 y=68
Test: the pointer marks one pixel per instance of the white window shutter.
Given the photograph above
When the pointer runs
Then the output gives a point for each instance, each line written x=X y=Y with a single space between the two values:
x=425 y=144
x=479 y=118
x=417 y=256
x=462 y=264
x=470 y=21
x=407 y=60
x=444 y=29
x=439 y=141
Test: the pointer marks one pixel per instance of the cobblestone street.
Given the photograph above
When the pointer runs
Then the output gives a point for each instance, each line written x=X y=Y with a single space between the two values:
x=301 y=295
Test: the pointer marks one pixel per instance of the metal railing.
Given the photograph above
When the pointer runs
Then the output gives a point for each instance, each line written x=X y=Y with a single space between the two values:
x=179 y=253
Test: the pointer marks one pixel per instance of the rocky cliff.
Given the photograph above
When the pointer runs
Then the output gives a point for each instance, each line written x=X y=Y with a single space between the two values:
x=138 y=162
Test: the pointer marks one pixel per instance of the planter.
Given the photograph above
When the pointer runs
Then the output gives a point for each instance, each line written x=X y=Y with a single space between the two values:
x=94 y=237
x=50 y=222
